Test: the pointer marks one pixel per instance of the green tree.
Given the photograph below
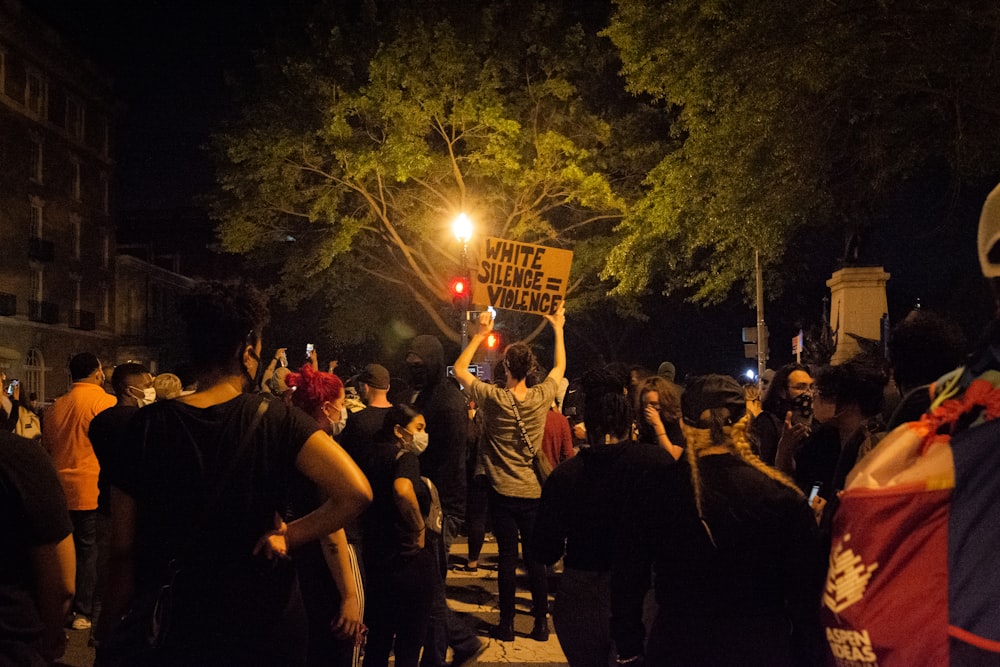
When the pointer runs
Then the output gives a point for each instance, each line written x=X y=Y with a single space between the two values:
x=344 y=173
x=795 y=119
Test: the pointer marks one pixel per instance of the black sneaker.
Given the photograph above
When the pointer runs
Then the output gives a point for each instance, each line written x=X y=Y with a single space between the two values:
x=540 y=633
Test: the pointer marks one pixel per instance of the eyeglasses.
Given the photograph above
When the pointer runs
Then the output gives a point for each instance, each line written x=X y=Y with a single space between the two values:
x=803 y=386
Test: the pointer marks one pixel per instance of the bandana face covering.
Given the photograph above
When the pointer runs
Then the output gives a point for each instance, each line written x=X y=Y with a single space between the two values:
x=802 y=405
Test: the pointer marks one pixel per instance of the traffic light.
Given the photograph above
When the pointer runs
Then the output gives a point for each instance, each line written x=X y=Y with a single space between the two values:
x=492 y=340
x=460 y=293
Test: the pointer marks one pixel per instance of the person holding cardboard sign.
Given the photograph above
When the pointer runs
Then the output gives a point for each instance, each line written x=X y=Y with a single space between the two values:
x=514 y=421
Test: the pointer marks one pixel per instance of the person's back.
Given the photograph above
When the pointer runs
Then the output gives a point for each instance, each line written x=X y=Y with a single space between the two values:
x=181 y=463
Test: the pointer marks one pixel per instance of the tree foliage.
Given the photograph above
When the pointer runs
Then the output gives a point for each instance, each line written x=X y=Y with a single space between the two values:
x=794 y=118
x=355 y=153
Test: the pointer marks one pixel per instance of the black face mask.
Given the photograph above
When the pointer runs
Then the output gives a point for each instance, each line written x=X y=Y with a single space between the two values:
x=252 y=382
x=802 y=405
x=418 y=375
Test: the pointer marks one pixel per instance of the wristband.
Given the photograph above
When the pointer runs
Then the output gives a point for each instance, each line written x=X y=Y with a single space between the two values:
x=659 y=434
x=628 y=661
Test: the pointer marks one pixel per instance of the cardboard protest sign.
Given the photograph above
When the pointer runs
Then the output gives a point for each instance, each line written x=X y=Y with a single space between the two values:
x=514 y=275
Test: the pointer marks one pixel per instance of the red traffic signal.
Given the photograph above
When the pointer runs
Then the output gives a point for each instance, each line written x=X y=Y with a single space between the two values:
x=460 y=293
x=493 y=340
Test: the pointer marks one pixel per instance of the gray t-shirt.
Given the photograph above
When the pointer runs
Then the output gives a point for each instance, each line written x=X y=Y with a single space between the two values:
x=506 y=457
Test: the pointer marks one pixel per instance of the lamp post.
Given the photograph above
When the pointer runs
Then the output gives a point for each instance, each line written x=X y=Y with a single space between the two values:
x=462 y=227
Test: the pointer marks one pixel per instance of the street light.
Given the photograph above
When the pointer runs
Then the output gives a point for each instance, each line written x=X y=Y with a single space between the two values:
x=462 y=227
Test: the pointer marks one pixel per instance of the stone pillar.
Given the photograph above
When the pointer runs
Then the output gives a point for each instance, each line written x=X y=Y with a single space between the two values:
x=857 y=303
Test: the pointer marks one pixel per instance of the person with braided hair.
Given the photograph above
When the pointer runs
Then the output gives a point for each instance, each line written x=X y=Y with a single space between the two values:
x=733 y=545
x=580 y=514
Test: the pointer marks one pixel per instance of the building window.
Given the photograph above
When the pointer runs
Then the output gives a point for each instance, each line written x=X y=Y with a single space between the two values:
x=37 y=285
x=106 y=138
x=105 y=250
x=74 y=223
x=36 y=94
x=76 y=297
x=34 y=376
x=74 y=118
x=35 y=160
x=105 y=194
x=37 y=219
x=74 y=175
x=105 y=304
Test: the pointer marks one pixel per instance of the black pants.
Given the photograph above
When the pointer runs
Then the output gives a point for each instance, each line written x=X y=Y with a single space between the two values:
x=512 y=516
x=398 y=598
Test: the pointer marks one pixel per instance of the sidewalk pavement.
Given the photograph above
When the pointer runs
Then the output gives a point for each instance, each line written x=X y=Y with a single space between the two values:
x=472 y=595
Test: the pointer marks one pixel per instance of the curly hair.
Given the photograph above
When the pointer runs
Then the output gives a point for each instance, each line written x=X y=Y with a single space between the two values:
x=669 y=394
x=855 y=381
x=313 y=388
x=221 y=319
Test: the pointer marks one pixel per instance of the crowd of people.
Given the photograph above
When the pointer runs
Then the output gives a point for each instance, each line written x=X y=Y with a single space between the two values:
x=263 y=514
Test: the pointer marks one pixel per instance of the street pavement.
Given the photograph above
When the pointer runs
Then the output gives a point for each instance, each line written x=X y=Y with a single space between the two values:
x=472 y=595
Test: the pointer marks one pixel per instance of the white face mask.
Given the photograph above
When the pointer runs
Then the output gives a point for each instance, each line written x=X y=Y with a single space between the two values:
x=148 y=395
x=337 y=426
x=417 y=443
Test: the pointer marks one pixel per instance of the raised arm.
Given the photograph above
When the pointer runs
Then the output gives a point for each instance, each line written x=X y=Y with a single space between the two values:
x=462 y=374
x=558 y=321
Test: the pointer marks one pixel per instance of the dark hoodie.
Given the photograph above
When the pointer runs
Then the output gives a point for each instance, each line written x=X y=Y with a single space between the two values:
x=443 y=406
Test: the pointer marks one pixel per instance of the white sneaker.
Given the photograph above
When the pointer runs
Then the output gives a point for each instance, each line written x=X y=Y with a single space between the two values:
x=80 y=622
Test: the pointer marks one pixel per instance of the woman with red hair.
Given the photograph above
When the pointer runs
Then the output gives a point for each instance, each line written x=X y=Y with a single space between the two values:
x=328 y=570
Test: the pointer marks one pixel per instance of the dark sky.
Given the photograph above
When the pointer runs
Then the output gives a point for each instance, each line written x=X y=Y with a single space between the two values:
x=170 y=60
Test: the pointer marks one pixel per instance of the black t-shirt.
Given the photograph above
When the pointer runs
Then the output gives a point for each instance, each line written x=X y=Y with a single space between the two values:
x=384 y=529
x=107 y=435
x=32 y=513
x=176 y=470
x=358 y=438
x=582 y=501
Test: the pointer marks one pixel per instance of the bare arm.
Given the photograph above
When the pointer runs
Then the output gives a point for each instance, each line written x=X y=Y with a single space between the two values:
x=54 y=566
x=559 y=356
x=348 y=493
x=338 y=561
x=120 y=566
x=409 y=508
x=462 y=373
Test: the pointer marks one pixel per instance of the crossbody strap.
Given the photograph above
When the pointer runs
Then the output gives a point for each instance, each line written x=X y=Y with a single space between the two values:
x=520 y=423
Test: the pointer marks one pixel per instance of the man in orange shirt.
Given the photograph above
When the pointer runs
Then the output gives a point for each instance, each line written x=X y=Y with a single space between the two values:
x=65 y=438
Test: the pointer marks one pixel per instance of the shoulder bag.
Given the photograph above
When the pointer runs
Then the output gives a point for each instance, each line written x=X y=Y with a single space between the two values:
x=539 y=461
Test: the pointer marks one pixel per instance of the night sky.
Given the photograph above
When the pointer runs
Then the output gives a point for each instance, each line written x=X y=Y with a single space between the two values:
x=171 y=60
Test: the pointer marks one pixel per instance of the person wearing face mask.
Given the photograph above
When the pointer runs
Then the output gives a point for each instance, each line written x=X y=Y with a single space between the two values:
x=848 y=396
x=329 y=572
x=401 y=572
x=785 y=417
x=439 y=399
x=65 y=438
x=133 y=387
x=197 y=505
